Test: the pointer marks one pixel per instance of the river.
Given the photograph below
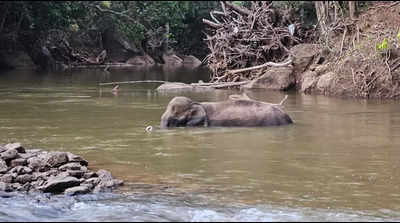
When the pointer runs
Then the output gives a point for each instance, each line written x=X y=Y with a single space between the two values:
x=337 y=162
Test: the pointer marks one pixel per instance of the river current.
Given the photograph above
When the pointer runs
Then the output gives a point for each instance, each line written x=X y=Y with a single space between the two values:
x=337 y=162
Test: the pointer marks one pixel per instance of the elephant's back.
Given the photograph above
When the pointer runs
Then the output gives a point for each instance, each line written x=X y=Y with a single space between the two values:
x=248 y=113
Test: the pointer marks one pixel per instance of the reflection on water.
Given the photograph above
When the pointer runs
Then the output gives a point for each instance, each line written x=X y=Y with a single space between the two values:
x=337 y=162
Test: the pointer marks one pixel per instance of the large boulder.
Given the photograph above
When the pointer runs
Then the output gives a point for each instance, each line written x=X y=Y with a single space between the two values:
x=308 y=81
x=276 y=78
x=144 y=60
x=56 y=159
x=325 y=82
x=3 y=166
x=17 y=146
x=171 y=86
x=172 y=60
x=59 y=183
x=74 y=158
x=9 y=154
x=190 y=61
x=16 y=59
x=303 y=55
x=118 y=48
x=82 y=189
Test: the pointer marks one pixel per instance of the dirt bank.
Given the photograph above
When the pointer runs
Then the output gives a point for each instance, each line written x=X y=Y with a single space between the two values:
x=358 y=63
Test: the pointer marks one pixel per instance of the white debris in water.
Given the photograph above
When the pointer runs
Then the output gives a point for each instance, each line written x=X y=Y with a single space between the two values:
x=149 y=128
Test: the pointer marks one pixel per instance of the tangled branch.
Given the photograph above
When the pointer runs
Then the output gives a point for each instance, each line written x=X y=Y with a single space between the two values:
x=247 y=39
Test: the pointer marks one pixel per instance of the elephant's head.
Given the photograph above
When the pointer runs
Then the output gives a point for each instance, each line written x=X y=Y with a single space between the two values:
x=182 y=111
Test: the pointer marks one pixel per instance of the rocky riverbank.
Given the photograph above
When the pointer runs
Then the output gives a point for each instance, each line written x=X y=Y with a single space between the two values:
x=35 y=170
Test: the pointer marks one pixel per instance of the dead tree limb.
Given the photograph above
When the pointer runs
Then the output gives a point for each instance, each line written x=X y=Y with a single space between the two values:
x=272 y=64
x=132 y=82
x=241 y=38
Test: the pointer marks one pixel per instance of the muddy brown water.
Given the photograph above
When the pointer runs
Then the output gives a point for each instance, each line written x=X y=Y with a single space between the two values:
x=338 y=162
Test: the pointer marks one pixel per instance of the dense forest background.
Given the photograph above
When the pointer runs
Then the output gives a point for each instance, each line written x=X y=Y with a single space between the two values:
x=147 y=26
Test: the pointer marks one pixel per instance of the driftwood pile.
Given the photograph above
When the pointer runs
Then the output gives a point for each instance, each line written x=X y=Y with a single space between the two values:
x=246 y=39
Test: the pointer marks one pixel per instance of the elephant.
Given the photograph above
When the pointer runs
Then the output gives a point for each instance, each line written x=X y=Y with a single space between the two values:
x=236 y=111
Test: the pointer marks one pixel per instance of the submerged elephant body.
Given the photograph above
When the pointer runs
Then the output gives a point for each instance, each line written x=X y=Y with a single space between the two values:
x=182 y=111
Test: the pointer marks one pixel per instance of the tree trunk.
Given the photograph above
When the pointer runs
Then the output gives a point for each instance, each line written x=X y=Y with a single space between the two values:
x=326 y=14
x=321 y=8
x=352 y=9
x=4 y=18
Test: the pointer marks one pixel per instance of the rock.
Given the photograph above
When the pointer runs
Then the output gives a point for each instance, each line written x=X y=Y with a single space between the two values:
x=7 y=178
x=107 y=185
x=104 y=175
x=55 y=172
x=15 y=186
x=34 y=151
x=276 y=78
x=89 y=175
x=3 y=166
x=41 y=171
x=325 y=81
x=17 y=146
x=56 y=159
x=25 y=187
x=74 y=158
x=117 y=46
x=18 y=162
x=93 y=181
x=2 y=149
x=3 y=186
x=170 y=86
x=9 y=154
x=6 y=194
x=309 y=81
x=144 y=60
x=22 y=179
x=83 y=189
x=90 y=186
x=19 y=170
x=321 y=69
x=29 y=153
x=172 y=60
x=16 y=59
x=59 y=184
x=191 y=61
x=304 y=55
x=106 y=182
x=38 y=184
x=76 y=173
x=37 y=163
x=70 y=166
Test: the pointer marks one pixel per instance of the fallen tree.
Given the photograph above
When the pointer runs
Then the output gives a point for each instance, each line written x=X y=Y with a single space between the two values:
x=246 y=39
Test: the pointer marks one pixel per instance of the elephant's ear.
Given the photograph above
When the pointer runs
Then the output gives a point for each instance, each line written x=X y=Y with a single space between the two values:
x=197 y=116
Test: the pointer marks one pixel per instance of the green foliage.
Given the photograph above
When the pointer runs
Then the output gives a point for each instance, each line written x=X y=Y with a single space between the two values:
x=239 y=3
x=383 y=46
x=398 y=36
x=107 y=4
x=133 y=18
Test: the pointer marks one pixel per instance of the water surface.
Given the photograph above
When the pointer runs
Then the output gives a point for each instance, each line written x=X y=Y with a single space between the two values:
x=338 y=162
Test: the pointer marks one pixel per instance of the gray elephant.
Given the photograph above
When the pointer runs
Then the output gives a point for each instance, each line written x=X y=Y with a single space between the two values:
x=238 y=110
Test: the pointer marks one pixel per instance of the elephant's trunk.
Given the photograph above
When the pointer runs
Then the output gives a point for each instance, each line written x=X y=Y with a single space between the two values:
x=163 y=124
